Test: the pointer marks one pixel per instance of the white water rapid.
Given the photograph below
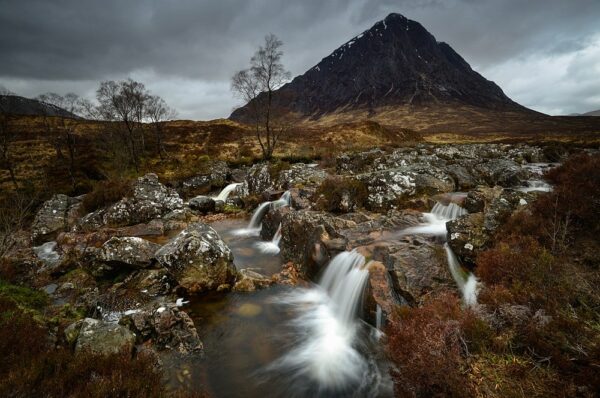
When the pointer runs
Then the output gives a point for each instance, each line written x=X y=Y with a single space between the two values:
x=255 y=224
x=435 y=224
x=272 y=246
x=224 y=194
x=325 y=348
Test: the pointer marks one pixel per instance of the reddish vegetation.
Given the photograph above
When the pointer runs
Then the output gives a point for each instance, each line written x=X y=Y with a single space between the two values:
x=536 y=332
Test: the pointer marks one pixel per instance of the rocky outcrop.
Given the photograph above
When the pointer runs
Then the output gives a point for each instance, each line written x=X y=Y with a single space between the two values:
x=150 y=200
x=198 y=259
x=101 y=337
x=503 y=172
x=467 y=237
x=131 y=252
x=52 y=218
x=257 y=180
x=301 y=175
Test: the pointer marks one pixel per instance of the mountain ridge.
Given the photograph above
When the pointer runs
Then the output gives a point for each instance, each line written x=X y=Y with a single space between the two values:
x=396 y=62
x=17 y=105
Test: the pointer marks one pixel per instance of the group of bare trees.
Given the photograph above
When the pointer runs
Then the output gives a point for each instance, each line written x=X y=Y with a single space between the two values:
x=257 y=86
x=130 y=104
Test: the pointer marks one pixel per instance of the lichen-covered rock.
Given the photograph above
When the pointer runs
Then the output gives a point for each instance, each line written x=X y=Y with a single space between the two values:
x=387 y=188
x=203 y=204
x=132 y=252
x=249 y=281
x=503 y=172
x=52 y=218
x=467 y=236
x=301 y=174
x=257 y=180
x=464 y=179
x=216 y=175
x=150 y=199
x=101 y=337
x=354 y=163
x=198 y=259
x=167 y=326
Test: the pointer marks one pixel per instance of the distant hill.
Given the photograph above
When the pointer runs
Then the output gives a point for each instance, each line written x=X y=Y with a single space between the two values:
x=394 y=68
x=17 y=105
x=592 y=113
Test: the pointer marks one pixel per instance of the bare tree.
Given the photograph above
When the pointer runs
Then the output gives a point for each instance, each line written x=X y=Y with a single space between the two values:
x=124 y=101
x=14 y=210
x=157 y=112
x=6 y=136
x=60 y=126
x=257 y=85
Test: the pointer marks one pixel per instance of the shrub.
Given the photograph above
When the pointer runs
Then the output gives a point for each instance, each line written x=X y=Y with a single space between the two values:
x=341 y=194
x=106 y=193
x=425 y=345
x=24 y=296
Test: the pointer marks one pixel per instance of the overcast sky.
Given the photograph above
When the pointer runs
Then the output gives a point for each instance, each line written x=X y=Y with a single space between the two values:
x=545 y=54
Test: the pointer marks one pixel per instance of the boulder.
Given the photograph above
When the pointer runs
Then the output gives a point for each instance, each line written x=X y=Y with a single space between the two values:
x=301 y=175
x=381 y=300
x=203 y=204
x=417 y=267
x=257 y=180
x=361 y=162
x=131 y=252
x=198 y=259
x=249 y=281
x=467 y=237
x=167 y=326
x=216 y=176
x=503 y=172
x=305 y=237
x=101 y=337
x=462 y=176
x=150 y=199
x=52 y=218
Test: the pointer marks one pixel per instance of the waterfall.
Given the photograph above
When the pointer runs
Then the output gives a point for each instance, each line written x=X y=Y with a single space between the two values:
x=436 y=225
x=224 y=194
x=435 y=221
x=536 y=186
x=466 y=281
x=325 y=350
x=271 y=247
x=47 y=252
x=255 y=224
x=378 y=317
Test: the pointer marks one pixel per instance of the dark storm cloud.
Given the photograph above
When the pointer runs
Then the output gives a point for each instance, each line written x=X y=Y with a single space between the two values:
x=186 y=50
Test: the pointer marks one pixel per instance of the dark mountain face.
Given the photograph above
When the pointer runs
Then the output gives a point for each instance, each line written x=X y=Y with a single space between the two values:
x=16 y=105
x=396 y=62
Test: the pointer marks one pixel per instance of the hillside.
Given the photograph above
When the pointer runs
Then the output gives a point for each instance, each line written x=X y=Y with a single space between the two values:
x=17 y=105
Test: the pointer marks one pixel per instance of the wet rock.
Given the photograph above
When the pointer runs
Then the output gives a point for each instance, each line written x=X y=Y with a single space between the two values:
x=380 y=292
x=100 y=337
x=249 y=281
x=417 y=267
x=463 y=178
x=203 y=204
x=150 y=282
x=501 y=208
x=304 y=238
x=477 y=200
x=198 y=259
x=167 y=326
x=52 y=218
x=132 y=252
x=150 y=200
x=216 y=176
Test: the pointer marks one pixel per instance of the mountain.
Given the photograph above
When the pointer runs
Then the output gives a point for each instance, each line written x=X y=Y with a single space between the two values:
x=16 y=105
x=592 y=113
x=396 y=63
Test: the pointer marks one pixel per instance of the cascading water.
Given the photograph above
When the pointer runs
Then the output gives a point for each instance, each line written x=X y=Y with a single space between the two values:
x=466 y=281
x=255 y=224
x=224 y=194
x=271 y=247
x=435 y=221
x=536 y=186
x=436 y=225
x=324 y=359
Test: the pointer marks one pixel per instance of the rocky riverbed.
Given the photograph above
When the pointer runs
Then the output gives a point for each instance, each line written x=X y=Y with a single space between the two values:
x=143 y=273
